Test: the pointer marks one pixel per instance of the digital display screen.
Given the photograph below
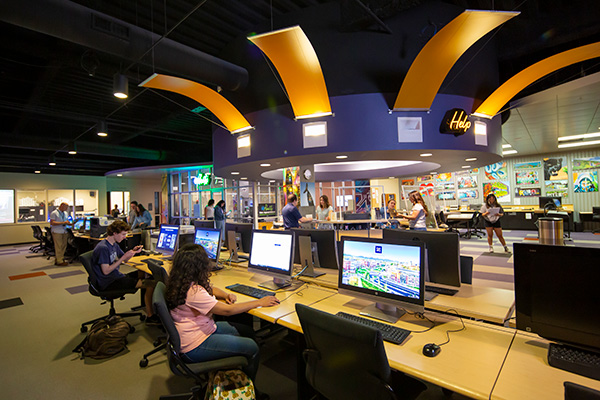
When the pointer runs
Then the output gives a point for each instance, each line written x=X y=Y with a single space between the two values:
x=382 y=267
x=210 y=239
x=88 y=223
x=167 y=238
x=7 y=206
x=272 y=250
x=78 y=224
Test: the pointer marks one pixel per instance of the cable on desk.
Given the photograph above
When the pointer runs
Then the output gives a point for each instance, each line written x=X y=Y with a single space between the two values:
x=453 y=330
x=421 y=315
x=297 y=292
x=503 y=361
x=300 y=273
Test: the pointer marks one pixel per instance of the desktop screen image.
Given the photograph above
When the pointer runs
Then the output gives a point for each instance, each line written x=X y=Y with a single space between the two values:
x=554 y=202
x=78 y=224
x=210 y=239
x=391 y=269
x=88 y=224
x=272 y=251
x=167 y=238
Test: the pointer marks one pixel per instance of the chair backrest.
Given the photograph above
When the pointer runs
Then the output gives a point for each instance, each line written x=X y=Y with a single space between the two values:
x=596 y=211
x=160 y=305
x=466 y=269
x=86 y=260
x=158 y=272
x=573 y=391
x=344 y=360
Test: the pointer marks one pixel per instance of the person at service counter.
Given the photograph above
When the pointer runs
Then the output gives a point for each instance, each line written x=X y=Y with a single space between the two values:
x=143 y=219
x=291 y=215
x=419 y=212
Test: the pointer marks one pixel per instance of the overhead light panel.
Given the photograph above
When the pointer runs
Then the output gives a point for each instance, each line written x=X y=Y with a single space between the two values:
x=471 y=159
x=72 y=148
x=577 y=137
x=506 y=146
x=102 y=129
x=297 y=63
x=120 y=86
x=507 y=152
x=425 y=154
x=578 y=144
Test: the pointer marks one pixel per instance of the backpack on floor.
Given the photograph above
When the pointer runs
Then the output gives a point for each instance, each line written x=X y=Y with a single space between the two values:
x=106 y=338
x=229 y=385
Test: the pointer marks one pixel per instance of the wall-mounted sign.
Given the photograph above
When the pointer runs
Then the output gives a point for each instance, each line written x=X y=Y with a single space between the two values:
x=202 y=179
x=456 y=122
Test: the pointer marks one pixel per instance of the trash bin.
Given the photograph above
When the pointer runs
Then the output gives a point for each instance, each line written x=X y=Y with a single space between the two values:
x=551 y=231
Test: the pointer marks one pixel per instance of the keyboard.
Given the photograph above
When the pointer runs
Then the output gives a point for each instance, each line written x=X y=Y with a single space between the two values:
x=574 y=360
x=390 y=333
x=439 y=290
x=250 y=291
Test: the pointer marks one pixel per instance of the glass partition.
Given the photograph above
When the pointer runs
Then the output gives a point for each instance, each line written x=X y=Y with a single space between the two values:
x=31 y=205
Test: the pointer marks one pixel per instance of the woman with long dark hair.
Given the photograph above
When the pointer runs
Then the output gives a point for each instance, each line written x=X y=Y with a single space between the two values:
x=324 y=211
x=192 y=301
x=219 y=217
x=419 y=210
x=491 y=212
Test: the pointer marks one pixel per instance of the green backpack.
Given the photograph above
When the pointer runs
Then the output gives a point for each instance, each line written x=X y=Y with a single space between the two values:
x=106 y=338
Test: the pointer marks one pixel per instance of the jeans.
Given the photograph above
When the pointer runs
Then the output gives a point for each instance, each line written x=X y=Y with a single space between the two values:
x=227 y=342
x=418 y=229
x=220 y=224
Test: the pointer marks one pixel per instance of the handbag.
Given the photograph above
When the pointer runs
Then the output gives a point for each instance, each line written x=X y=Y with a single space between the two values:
x=231 y=384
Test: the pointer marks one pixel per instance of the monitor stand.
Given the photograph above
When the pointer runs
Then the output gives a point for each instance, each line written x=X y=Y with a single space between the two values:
x=384 y=312
x=232 y=247
x=275 y=284
x=308 y=257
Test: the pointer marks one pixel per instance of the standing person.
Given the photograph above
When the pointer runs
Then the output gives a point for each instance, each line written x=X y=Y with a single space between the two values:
x=108 y=257
x=132 y=212
x=419 y=212
x=143 y=219
x=115 y=211
x=58 y=220
x=219 y=216
x=209 y=210
x=192 y=301
x=291 y=215
x=491 y=212
x=324 y=211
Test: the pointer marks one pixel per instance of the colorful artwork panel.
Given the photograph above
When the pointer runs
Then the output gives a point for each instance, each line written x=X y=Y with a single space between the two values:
x=446 y=177
x=466 y=181
x=500 y=188
x=527 y=178
x=529 y=192
x=557 y=188
x=424 y=178
x=446 y=195
x=528 y=165
x=496 y=172
x=585 y=182
x=426 y=189
x=586 y=163
x=555 y=169
x=468 y=194
x=408 y=182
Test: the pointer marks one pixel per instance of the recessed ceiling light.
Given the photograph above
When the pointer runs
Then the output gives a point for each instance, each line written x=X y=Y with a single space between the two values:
x=72 y=152
x=52 y=164
x=425 y=154
x=577 y=144
x=576 y=137
x=119 y=174
x=471 y=159
x=102 y=134
x=235 y=173
x=38 y=172
x=341 y=157
x=271 y=181
x=506 y=146
x=466 y=166
x=243 y=178
x=265 y=165
x=506 y=152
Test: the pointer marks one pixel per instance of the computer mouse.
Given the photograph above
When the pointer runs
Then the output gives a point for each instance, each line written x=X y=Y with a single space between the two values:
x=431 y=349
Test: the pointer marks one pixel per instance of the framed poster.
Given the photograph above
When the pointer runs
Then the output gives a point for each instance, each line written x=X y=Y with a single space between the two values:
x=528 y=192
x=586 y=163
x=585 y=182
x=500 y=188
x=496 y=172
x=468 y=194
x=528 y=165
x=424 y=178
x=408 y=182
x=466 y=181
x=555 y=169
x=527 y=178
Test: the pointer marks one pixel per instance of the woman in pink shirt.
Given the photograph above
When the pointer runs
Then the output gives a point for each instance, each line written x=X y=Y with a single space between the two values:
x=193 y=301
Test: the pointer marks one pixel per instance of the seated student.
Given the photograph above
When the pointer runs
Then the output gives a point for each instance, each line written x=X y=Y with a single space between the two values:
x=192 y=301
x=143 y=219
x=107 y=259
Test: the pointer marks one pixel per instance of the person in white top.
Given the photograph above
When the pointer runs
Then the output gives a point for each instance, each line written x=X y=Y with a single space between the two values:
x=209 y=210
x=58 y=219
x=324 y=211
x=491 y=212
x=416 y=220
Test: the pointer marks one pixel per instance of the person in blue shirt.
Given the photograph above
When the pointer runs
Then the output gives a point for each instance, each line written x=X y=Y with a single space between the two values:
x=143 y=219
x=291 y=215
x=108 y=257
x=58 y=219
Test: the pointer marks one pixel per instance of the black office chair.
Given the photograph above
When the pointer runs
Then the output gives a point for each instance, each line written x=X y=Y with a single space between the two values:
x=196 y=371
x=160 y=275
x=596 y=217
x=466 y=269
x=106 y=295
x=574 y=391
x=37 y=235
x=346 y=360
x=72 y=251
x=473 y=226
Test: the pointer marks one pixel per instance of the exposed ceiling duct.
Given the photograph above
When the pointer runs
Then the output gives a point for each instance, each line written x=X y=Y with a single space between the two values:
x=78 y=24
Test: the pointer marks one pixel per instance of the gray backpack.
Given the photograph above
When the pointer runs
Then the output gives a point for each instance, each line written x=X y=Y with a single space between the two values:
x=106 y=338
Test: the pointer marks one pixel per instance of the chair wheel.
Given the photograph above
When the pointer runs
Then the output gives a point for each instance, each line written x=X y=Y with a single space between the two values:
x=131 y=329
x=157 y=342
x=143 y=363
x=142 y=317
x=83 y=329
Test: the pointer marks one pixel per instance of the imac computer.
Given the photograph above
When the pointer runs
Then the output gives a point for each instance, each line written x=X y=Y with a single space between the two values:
x=272 y=253
x=79 y=224
x=551 y=203
x=391 y=274
x=556 y=294
x=167 y=240
x=442 y=258
x=210 y=239
x=204 y=223
x=318 y=250
x=243 y=234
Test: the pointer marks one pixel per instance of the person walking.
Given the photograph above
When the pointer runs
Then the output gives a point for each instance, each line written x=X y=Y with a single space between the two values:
x=491 y=212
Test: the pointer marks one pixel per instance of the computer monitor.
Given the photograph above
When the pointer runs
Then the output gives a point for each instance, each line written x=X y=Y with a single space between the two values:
x=87 y=225
x=167 y=240
x=550 y=202
x=204 y=223
x=556 y=293
x=323 y=247
x=210 y=239
x=391 y=274
x=272 y=253
x=442 y=255
x=79 y=224
x=244 y=229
